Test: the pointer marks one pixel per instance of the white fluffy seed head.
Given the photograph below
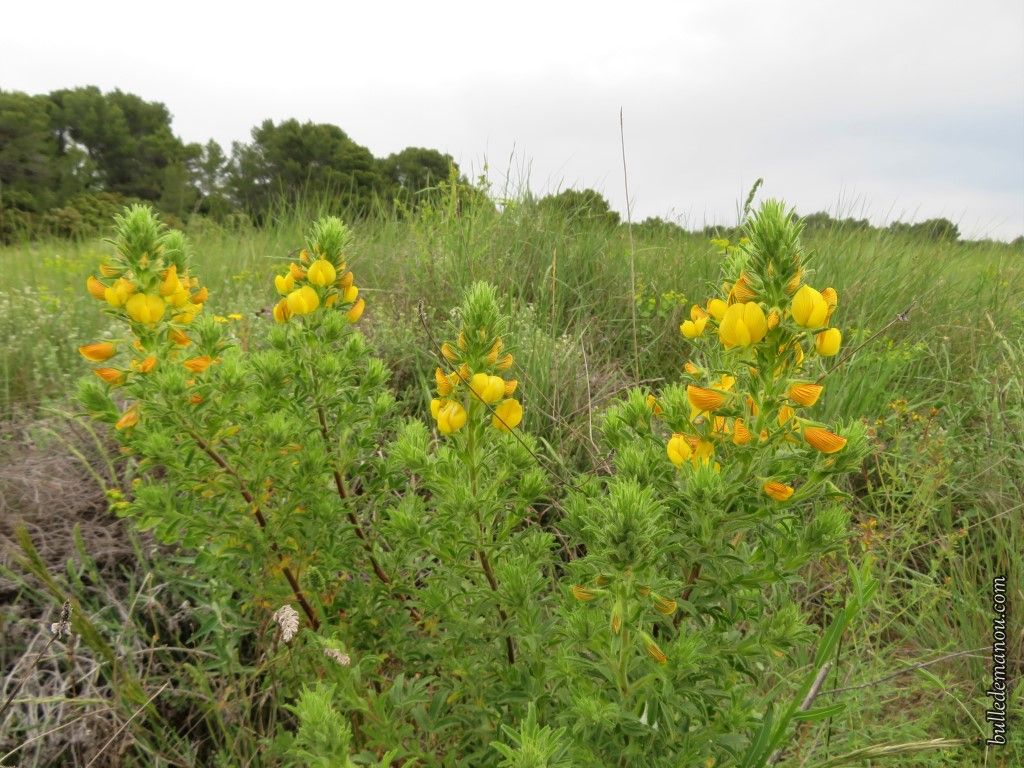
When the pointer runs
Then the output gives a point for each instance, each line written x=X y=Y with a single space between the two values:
x=288 y=621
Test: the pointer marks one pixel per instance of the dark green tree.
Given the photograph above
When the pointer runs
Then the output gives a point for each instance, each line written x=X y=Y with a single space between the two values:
x=583 y=205
x=29 y=177
x=293 y=160
x=415 y=169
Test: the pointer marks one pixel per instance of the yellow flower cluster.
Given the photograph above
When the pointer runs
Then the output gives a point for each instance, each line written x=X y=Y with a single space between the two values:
x=313 y=281
x=766 y=342
x=485 y=389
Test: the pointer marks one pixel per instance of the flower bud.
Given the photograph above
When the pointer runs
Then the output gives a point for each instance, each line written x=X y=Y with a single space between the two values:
x=356 y=311
x=778 y=491
x=507 y=415
x=98 y=351
x=96 y=289
x=805 y=393
x=703 y=399
x=451 y=417
x=808 y=308
x=828 y=342
x=583 y=594
x=678 y=449
x=717 y=309
x=112 y=376
x=691 y=329
x=740 y=434
x=198 y=364
x=128 y=419
x=823 y=440
x=284 y=283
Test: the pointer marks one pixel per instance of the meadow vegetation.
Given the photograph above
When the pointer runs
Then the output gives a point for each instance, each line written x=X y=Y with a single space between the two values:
x=508 y=592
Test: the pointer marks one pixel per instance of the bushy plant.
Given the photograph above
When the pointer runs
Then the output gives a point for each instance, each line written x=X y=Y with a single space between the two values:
x=440 y=594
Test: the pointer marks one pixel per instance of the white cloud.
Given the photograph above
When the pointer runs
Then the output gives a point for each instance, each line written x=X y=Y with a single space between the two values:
x=913 y=108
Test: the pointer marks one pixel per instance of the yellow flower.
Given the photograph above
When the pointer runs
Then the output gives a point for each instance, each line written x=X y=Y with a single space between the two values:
x=96 y=289
x=170 y=284
x=234 y=316
x=507 y=415
x=740 y=434
x=778 y=491
x=200 y=296
x=331 y=300
x=655 y=652
x=198 y=364
x=823 y=440
x=444 y=385
x=297 y=272
x=118 y=293
x=449 y=352
x=583 y=594
x=451 y=417
x=828 y=342
x=652 y=403
x=356 y=311
x=284 y=283
x=510 y=387
x=108 y=271
x=664 y=606
x=179 y=298
x=786 y=413
x=808 y=308
x=112 y=376
x=146 y=365
x=321 y=272
x=350 y=293
x=794 y=282
x=496 y=347
x=145 y=308
x=128 y=419
x=504 y=362
x=691 y=369
x=346 y=280
x=717 y=309
x=303 y=300
x=304 y=256
x=743 y=325
x=678 y=450
x=831 y=298
x=691 y=329
x=805 y=393
x=703 y=399
x=179 y=338
x=773 y=319
x=98 y=351
x=742 y=291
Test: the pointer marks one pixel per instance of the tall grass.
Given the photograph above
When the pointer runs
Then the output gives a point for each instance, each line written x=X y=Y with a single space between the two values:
x=938 y=504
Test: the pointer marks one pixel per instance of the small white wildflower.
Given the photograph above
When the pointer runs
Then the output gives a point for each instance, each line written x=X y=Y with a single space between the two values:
x=288 y=620
x=62 y=627
x=337 y=656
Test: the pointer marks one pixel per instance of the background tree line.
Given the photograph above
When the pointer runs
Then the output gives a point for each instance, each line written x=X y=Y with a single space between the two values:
x=71 y=158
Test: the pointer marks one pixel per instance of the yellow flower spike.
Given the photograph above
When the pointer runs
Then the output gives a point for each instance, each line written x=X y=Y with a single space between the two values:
x=717 y=309
x=664 y=606
x=346 y=281
x=678 y=450
x=350 y=294
x=691 y=329
x=285 y=283
x=146 y=365
x=356 y=311
x=303 y=300
x=794 y=282
x=507 y=415
x=703 y=399
x=170 y=283
x=510 y=387
x=828 y=342
x=496 y=347
x=449 y=353
x=740 y=434
x=805 y=393
x=451 y=417
x=179 y=337
x=504 y=362
x=200 y=296
x=112 y=376
x=823 y=440
x=444 y=386
x=96 y=289
x=583 y=594
x=652 y=403
x=145 y=308
x=743 y=325
x=98 y=351
x=322 y=273
x=297 y=272
x=128 y=419
x=108 y=271
x=655 y=652
x=808 y=308
x=198 y=364
x=778 y=491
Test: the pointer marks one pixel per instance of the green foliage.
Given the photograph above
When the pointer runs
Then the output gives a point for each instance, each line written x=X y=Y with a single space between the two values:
x=583 y=205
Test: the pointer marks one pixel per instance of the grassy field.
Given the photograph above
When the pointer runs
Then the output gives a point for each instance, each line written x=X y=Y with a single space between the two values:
x=938 y=504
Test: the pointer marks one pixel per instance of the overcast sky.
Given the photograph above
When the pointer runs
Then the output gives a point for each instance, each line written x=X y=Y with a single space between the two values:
x=884 y=109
